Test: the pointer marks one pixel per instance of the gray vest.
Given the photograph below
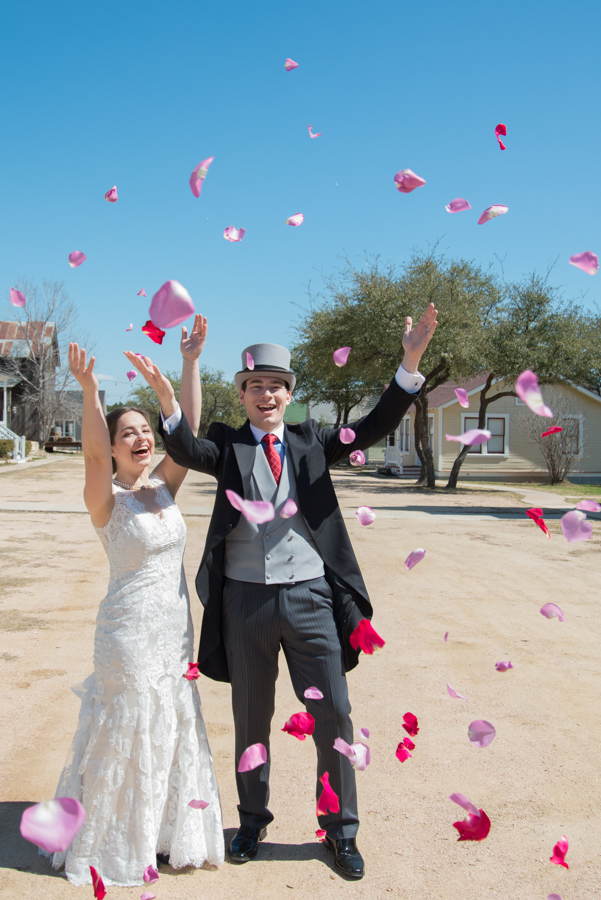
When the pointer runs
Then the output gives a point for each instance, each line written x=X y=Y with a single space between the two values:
x=278 y=552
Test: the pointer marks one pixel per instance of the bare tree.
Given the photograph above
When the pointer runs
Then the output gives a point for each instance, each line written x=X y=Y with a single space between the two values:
x=561 y=450
x=46 y=324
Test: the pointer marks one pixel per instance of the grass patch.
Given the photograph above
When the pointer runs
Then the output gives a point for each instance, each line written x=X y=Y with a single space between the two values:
x=567 y=490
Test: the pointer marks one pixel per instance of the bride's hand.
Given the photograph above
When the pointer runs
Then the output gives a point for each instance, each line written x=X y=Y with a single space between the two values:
x=191 y=347
x=157 y=381
x=77 y=366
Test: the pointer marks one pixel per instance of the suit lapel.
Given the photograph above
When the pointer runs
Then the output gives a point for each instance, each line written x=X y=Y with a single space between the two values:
x=244 y=445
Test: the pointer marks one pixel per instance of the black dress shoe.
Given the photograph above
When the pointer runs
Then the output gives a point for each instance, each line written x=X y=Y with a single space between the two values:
x=245 y=843
x=346 y=856
x=163 y=859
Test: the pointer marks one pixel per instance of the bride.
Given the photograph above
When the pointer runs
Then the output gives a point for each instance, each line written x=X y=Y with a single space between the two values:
x=140 y=753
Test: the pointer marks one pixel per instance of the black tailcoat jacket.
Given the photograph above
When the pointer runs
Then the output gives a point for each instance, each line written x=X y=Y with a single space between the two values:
x=228 y=455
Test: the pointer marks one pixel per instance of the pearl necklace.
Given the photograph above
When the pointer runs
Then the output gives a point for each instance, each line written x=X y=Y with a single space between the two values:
x=131 y=487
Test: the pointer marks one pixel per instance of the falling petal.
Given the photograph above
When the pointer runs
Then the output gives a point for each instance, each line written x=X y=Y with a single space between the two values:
x=198 y=804
x=465 y=804
x=131 y=327
x=341 y=356
x=131 y=374
x=503 y=666
x=253 y=756
x=148 y=895
x=462 y=397
x=363 y=733
x=559 y=853
x=111 y=195
x=320 y=833
x=313 y=693
x=481 y=733
x=97 y=884
x=347 y=435
x=492 y=212
x=457 y=205
x=552 y=611
x=357 y=458
x=300 y=725
x=410 y=724
x=446 y=636
x=17 y=298
x=314 y=135
x=289 y=509
x=536 y=515
x=472 y=437
x=474 y=828
x=501 y=130
x=553 y=897
x=289 y=65
x=409 y=743
x=555 y=429
x=365 y=515
x=453 y=693
x=364 y=637
x=140 y=355
x=193 y=672
x=151 y=875
x=358 y=753
x=402 y=753
x=171 y=305
x=258 y=511
x=52 y=824
x=328 y=799
x=76 y=258
x=406 y=181
x=414 y=557
x=588 y=262
x=155 y=334
x=527 y=389
x=199 y=174
x=576 y=527
x=589 y=505
x=250 y=363
x=234 y=234
x=141 y=293
x=296 y=219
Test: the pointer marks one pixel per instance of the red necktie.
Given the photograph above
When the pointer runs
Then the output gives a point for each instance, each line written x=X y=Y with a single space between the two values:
x=273 y=457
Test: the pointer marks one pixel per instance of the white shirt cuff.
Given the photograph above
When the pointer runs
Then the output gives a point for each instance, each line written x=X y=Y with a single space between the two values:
x=410 y=383
x=173 y=421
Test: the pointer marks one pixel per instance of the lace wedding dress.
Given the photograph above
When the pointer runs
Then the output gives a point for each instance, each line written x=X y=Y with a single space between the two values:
x=140 y=752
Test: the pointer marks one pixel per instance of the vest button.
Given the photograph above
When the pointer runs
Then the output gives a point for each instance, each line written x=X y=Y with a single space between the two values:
x=268 y=576
x=267 y=536
x=268 y=557
x=290 y=558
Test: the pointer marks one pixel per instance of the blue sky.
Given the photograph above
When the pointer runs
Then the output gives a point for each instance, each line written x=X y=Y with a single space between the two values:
x=136 y=94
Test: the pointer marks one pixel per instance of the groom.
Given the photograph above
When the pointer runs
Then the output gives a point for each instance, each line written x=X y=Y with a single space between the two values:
x=293 y=582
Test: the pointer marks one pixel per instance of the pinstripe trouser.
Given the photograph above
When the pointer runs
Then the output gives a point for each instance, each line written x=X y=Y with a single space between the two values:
x=257 y=619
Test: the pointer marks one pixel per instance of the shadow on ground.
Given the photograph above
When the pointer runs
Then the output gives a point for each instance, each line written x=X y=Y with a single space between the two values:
x=15 y=852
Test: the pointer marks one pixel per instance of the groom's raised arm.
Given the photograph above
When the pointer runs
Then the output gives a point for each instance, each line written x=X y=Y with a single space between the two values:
x=185 y=449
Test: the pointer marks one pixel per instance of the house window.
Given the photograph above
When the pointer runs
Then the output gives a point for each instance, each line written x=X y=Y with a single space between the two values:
x=67 y=427
x=405 y=435
x=391 y=439
x=470 y=422
x=572 y=431
x=497 y=444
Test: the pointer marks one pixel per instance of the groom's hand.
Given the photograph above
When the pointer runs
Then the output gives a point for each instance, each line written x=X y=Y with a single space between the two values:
x=415 y=340
x=157 y=381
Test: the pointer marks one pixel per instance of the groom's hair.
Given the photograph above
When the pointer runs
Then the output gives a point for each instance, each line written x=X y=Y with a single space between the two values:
x=112 y=420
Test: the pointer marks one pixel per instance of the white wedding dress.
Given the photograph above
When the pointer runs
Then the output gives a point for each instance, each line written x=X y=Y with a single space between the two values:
x=140 y=752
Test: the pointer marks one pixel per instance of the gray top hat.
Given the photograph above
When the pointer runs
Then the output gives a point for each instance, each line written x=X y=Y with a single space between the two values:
x=269 y=359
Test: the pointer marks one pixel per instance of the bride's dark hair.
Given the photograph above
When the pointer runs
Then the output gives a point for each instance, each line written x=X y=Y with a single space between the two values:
x=112 y=420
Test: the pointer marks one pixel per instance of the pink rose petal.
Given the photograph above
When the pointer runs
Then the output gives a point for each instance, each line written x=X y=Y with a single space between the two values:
x=472 y=437
x=289 y=65
x=414 y=557
x=363 y=733
x=141 y=293
x=364 y=637
x=559 y=853
x=457 y=205
x=406 y=181
x=52 y=824
x=341 y=356
x=320 y=833
x=501 y=130
x=131 y=374
x=453 y=693
x=474 y=828
x=313 y=693
x=253 y=756
x=492 y=212
x=357 y=753
x=97 y=884
x=576 y=527
x=199 y=174
x=296 y=219
x=402 y=751
x=250 y=363
x=328 y=799
x=234 y=234
x=148 y=895
x=536 y=514
x=314 y=135
x=76 y=258
x=151 y=875
x=193 y=673
x=410 y=724
x=17 y=298
x=527 y=389
x=299 y=725
x=589 y=505
x=553 y=897
x=155 y=334
x=465 y=804
x=131 y=327
x=462 y=397
x=198 y=804
x=555 y=429
x=171 y=305
x=446 y=636
x=347 y=435
x=481 y=733
x=588 y=262
x=552 y=611
x=503 y=666
x=258 y=511
x=289 y=509
x=357 y=458
x=365 y=515
x=111 y=195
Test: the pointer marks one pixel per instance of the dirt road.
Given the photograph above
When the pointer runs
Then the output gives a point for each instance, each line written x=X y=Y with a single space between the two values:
x=487 y=572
